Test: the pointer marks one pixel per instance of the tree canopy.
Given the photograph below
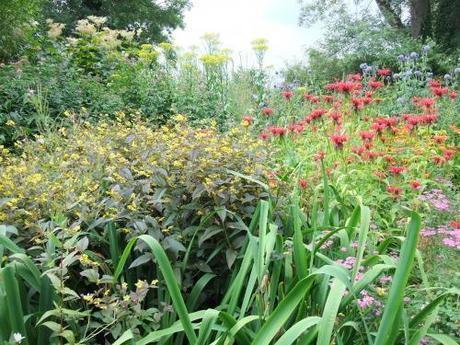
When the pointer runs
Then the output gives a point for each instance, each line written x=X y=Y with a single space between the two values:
x=155 y=18
x=436 y=19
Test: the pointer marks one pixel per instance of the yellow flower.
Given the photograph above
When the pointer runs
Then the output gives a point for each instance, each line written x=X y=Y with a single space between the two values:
x=10 y=123
x=88 y=297
x=380 y=291
x=140 y=284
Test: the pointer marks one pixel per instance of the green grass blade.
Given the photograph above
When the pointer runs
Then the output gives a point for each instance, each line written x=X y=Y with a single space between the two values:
x=208 y=322
x=126 y=336
x=192 y=299
x=300 y=252
x=173 y=288
x=10 y=245
x=443 y=339
x=396 y=294
x=362 y=239
x=282 y=312
x=13 y=302
x=326 y=326
x=124 y=257
x=299 y=328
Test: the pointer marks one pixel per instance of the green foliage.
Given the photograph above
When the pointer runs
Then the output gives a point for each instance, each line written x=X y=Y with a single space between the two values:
x=156 y=20
x=102 y=71
x=19 y=24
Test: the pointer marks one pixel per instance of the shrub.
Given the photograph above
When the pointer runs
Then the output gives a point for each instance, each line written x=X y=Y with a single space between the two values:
x=163 y=182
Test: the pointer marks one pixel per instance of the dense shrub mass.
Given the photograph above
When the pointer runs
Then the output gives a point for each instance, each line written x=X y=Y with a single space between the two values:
x=127 y=173
x=101 y=71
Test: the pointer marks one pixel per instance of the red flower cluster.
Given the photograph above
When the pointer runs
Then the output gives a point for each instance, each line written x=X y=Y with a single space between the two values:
x=315 y=114
x=396 y=171
x=248 y=120
x=339 y=140
x=384 y=72
x=439 y=91
x=311 y=98
x=415 y=120
x=267 y=111
x=341 y=86
x=414 y=184
x=366 y=135
x=302 y=183
x=287 y=95
x=279 y=131
x=396 y=192
x=424 y=102
x=375 y=84
x=296 y=127
x=359 y=103
x=336 y=117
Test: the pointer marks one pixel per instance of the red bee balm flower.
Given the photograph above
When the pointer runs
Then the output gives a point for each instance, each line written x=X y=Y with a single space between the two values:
x=319 y=156
x=375 y=84
x=248 y=120
x=366 y=136
x=287 y=94
x=264 y=136
x=415 y=185
x=396 y=171
x=267 y=111
x=455 y=224
x=302 y=183
x=448 y=154
x=394 y=191
x=339 y=140
x=427 y=102
x=384 y=72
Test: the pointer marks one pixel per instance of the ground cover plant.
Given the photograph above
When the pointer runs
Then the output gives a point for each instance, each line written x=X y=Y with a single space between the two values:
x=177 y=199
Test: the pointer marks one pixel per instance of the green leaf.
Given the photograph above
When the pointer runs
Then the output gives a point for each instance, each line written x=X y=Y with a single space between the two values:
x=296 y=330
x=396 y=294
x=282 y=312
x=326 y=326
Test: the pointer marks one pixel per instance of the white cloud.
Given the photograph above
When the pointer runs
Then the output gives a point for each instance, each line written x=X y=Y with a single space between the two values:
x=240 y=21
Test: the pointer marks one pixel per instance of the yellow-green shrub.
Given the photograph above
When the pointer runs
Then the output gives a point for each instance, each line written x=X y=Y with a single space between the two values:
x=161 y=181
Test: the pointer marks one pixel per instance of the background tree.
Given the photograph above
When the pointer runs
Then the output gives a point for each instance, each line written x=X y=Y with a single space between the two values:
x=18 y=19
x=156 y=18
x=437 y=19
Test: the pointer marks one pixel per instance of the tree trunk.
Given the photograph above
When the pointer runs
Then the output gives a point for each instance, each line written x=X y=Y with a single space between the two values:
x=390 y=15
x=420 y=12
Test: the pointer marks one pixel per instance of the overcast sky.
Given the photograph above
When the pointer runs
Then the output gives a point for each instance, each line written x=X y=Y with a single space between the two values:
x=240 y=21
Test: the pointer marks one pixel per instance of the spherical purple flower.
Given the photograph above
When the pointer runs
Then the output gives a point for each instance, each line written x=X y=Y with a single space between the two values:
x=414 y=55
x=402 y=58
x=426 y=48
x=363 y=66
x=418 y=74
x=447 y=76
x=457 y=70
